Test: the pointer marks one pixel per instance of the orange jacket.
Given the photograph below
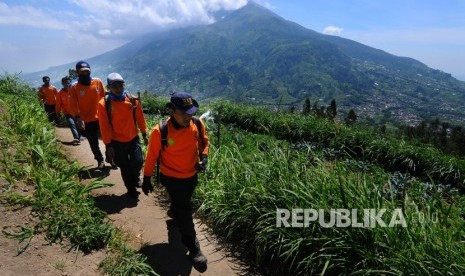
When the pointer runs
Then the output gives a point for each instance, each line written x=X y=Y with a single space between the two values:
x=47 y=94
x=85 y=98
x=181 y=154
x=122 y=119
x=63 y=102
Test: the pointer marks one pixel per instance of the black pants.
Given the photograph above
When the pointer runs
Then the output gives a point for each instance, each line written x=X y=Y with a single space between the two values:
x=91 y=133
x=129 y=158
x=50 y=110
x=180 y=191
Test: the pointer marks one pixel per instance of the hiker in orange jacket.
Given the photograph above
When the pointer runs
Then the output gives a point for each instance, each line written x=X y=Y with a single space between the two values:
x=119 y=117
x=85 y=95
x=181 y=158
x=47 y=96
x=63 y=106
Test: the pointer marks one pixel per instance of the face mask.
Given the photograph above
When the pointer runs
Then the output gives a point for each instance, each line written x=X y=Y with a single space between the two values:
x=85 y=80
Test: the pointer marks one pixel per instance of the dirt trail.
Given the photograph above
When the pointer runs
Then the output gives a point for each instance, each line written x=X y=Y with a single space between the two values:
x=150 y=230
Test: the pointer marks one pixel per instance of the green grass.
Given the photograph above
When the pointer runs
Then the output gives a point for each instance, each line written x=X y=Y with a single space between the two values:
x=322 y=165
x=247 y=182
x=64 y=207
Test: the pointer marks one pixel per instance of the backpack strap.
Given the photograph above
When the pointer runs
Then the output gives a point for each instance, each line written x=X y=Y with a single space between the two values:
x=198 y=124
x=108 y=109
x=164 y=143
x=133 y=99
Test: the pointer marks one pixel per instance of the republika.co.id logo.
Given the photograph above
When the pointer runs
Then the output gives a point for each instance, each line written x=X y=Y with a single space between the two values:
x=364 y=218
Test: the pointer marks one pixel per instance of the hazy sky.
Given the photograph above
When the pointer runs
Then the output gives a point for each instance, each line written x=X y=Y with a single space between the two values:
x=35 y=35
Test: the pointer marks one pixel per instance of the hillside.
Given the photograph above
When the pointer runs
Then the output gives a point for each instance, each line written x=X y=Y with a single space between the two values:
x=253 y=55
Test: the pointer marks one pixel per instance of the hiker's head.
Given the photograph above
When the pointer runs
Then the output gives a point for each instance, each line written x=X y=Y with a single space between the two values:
x=46 y=80
x=182 y=107
x=82 y=68
x=115 y=83
x=65 y=81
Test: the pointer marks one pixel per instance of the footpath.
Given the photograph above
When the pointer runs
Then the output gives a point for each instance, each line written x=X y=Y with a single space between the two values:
x=149 y=230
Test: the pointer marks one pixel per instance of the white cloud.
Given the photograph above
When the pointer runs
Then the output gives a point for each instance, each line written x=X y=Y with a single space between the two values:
x=76 y=29
x=266 y=4
x=29 y=16
x=333 y=30
x=135 y=17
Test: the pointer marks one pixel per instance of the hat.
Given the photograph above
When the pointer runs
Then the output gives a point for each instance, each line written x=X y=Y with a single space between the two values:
x=184 y=102
x=112 y=77
x=82 y=65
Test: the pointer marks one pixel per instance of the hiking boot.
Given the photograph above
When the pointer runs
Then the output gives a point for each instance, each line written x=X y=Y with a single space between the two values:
x=76 y=142
x=101 y=165
x=170 y=213
x=199 y=261
x=132 y=193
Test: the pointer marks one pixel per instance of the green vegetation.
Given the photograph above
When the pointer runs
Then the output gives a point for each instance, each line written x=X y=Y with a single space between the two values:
x=263 y=161
x=425 y=162
x=252 y=174
x=64 y=207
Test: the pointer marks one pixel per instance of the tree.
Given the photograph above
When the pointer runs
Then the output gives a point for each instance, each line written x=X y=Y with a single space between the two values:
x=292 y=109
x=331 y=111
x=72 y=74
x=351 y=117
x=306 y=107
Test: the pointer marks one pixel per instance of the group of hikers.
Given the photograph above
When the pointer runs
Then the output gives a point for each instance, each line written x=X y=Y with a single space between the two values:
x=177 y=145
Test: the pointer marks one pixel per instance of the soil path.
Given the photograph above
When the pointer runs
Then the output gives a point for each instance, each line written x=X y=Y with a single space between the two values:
x=149 y=229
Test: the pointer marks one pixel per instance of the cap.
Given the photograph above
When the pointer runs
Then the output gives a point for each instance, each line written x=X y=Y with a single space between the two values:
x=184 y=102
x=82 y=65
x=112 y=77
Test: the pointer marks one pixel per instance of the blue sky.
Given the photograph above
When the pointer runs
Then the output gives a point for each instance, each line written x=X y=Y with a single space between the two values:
x=35 y=35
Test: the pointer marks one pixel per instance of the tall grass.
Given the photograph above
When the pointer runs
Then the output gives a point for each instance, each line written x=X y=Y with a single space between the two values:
x=422 y=161
x=248 y=181
x=64 y=207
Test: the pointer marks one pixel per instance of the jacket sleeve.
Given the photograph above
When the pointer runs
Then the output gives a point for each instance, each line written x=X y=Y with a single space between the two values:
x=204 y=150
x=140 y=118
x=58 y=104
x=153 y=151
x=40 y=95
x=104 y=124
x=73 y=101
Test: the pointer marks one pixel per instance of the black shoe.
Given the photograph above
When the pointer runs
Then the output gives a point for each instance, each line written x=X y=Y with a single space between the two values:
x=101 y=165
x=199 y=261
x=133 y=193
x=112 y=163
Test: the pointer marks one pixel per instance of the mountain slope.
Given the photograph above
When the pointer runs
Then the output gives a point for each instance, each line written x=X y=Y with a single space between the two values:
x=254 y=54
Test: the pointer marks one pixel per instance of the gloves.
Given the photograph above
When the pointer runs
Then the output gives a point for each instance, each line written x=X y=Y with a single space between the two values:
x=147 y=185
x=202 y=165
x=146 y=141
x=80 y=124
x=110 y=155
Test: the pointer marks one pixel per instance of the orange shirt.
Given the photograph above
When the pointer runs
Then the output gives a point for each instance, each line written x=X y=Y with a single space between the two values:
x=47 y=94
x=85 y=98
x=121 y=113
x=63 y=102
x=181 y=154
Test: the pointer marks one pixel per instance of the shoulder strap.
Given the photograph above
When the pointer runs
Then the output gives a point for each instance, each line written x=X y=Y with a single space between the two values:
x=164 y=134
x=108 y=109
x=164 y=142
x=132 y=99
x=199 y=130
